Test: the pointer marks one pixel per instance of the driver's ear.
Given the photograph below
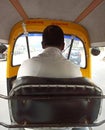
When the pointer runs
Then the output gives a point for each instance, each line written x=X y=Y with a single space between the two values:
x=62 y=46
x=43 y=45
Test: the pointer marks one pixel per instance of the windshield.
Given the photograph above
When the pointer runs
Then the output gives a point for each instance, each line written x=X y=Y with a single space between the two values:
x=30 y=46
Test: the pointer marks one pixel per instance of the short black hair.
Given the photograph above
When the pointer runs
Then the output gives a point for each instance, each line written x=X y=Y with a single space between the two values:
x=53 y=36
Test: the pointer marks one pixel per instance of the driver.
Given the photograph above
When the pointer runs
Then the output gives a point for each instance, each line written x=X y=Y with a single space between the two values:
x=51 y=62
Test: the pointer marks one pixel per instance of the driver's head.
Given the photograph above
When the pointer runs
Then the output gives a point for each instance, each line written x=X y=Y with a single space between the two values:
x=53 y=36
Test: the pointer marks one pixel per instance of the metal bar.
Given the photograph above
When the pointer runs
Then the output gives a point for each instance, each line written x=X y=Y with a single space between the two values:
x=88 y=10
x=26 y=36
x=72 y=40
x=28 y=49
x=51 y=125
x=4 y=97
x=19 y=8
x=36 y=97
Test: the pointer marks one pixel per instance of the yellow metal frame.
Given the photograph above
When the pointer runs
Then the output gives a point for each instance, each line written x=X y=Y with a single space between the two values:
x=37 y=25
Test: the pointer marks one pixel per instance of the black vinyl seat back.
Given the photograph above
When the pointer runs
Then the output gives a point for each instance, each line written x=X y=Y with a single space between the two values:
x=54 y=101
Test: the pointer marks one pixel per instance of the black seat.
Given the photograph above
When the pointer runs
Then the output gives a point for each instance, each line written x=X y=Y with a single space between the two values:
x=54 y=101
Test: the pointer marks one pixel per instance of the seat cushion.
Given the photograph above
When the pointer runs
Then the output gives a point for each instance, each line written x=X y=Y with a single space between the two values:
x=55 y=101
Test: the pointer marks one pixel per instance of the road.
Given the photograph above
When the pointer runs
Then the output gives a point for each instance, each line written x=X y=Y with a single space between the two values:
x=98 y=76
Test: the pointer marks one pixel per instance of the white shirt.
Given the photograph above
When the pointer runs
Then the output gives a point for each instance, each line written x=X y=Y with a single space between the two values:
x=50 y=63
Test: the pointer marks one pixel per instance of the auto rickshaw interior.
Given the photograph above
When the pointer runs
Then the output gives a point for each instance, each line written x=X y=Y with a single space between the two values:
x=51 y=102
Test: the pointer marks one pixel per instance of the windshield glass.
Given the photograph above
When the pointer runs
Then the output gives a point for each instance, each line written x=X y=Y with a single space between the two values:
x=28 y=46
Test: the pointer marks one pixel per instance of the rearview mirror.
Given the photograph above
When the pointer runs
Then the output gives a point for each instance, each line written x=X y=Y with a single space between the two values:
x=95 y=51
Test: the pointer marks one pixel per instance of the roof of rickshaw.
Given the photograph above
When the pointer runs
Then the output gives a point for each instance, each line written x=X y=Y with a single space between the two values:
x=88 y=13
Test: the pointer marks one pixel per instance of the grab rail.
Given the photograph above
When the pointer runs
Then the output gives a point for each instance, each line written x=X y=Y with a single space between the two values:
x=25 y=125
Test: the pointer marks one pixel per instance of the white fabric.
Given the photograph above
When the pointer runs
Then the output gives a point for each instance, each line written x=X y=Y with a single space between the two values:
x=50 y=63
